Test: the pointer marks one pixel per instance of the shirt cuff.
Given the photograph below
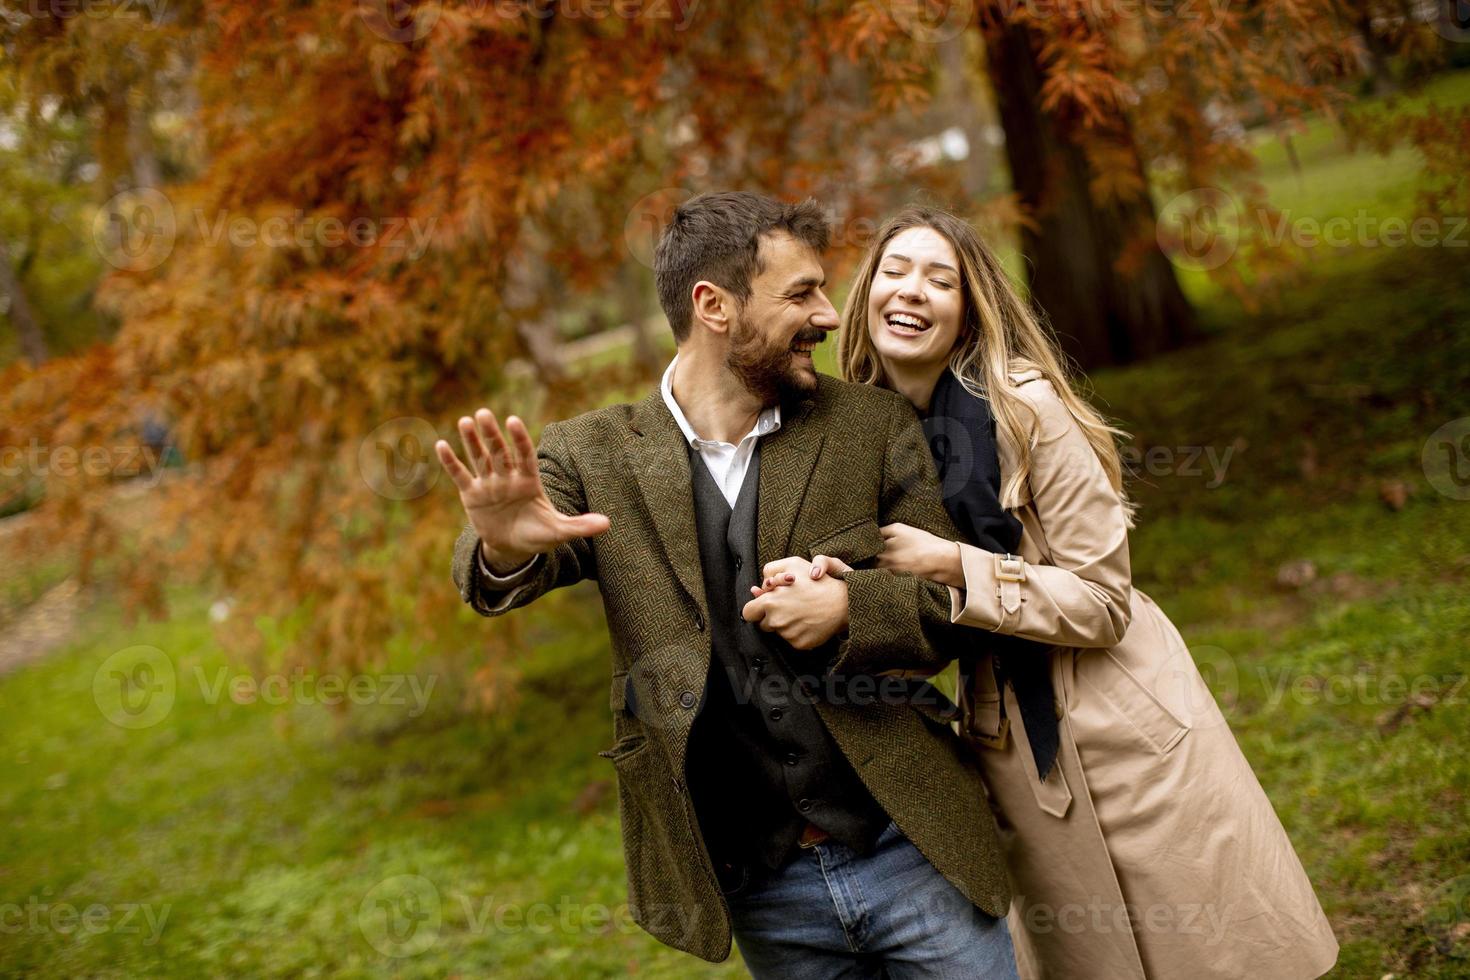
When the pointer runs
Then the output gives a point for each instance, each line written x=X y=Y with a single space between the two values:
x=503 y=582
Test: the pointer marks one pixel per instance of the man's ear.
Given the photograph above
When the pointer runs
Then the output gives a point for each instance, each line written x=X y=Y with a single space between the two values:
x=713 y=306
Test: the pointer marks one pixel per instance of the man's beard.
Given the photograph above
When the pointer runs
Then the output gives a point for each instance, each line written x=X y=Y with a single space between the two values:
x=766 y=368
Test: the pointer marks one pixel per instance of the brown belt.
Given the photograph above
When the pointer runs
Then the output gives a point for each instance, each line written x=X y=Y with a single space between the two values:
x=812 y=835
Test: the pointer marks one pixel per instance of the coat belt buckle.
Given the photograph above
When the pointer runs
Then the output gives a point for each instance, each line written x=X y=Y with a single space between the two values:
x=996 y=741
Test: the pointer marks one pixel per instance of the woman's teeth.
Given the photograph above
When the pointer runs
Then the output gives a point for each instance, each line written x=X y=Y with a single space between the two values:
x=907 y=322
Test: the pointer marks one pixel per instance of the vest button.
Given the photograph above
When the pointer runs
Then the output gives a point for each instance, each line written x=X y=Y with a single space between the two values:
x=687 y=699
x=776 y=714
x=792 y=758
x=738 y=562
x=804 y=805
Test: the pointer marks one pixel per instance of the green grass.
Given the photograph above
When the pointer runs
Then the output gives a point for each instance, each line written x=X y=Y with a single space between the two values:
x=260 y=837
x=255 y=832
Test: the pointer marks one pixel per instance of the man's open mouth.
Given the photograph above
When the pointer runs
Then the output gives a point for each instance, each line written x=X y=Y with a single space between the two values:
x=909 y=323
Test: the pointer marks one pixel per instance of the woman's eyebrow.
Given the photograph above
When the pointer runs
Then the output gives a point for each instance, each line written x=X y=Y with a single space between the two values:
x=937 y=265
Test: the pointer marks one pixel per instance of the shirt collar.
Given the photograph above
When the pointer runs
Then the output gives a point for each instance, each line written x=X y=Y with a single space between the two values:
x=767 y=422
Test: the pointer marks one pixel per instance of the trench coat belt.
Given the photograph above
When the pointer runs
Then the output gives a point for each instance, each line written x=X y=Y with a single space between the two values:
x=993 y=712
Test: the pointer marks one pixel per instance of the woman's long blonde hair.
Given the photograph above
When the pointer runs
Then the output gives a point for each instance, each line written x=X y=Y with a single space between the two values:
x=1000 y=334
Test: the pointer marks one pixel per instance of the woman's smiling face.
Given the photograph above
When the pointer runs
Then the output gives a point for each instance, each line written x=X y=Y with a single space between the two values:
x=915 y=303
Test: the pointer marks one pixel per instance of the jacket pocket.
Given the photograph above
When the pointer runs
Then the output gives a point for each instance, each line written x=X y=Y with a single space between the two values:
x=625 y=748
x=1105 y=674
x=854 y=544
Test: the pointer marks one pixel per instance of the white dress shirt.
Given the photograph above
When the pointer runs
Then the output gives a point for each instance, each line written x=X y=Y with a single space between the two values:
x=727 y=463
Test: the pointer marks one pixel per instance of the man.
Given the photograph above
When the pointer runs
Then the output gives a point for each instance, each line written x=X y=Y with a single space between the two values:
x=770 y=784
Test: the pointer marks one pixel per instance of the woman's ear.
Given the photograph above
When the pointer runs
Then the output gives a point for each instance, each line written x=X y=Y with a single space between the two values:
x=712 y=306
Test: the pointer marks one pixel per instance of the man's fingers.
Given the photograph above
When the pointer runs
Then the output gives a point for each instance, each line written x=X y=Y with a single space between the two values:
x=474 y=447
x=754 y=611
x=585 y=525
x=462 y=477
x=524 y=447
x=499 y=454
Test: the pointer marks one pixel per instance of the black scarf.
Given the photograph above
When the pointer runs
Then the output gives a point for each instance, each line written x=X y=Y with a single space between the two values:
x=960 y=431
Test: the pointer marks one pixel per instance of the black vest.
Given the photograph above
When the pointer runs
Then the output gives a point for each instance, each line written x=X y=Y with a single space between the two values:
x=761 y=763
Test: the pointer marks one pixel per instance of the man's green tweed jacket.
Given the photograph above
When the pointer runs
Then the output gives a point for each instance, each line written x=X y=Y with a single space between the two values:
x=843 y=463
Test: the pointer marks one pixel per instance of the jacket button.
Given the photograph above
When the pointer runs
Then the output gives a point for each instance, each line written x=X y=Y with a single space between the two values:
x=792 y=758
x=738 y=562
x=804 y=805
x=687 y=699
x=698 y=620
x=776 y=714
x=1058 y=706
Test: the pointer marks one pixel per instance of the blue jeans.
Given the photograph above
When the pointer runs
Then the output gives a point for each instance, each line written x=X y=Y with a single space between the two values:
x=832 y=913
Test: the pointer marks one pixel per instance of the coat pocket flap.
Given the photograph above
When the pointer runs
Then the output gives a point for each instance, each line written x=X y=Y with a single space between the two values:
x=1134 y=701
x=853 y=544
x=626 y=747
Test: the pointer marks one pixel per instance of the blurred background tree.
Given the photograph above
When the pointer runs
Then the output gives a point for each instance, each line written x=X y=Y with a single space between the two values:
x=506 y=168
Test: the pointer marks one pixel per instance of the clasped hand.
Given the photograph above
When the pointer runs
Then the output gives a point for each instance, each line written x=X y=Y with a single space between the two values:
x=806 y=601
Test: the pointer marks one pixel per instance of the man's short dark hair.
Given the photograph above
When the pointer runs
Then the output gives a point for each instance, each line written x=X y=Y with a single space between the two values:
x=717 y=237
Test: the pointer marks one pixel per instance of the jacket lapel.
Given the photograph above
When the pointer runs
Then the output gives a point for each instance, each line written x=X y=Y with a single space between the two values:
x=659 y=458
x=788 y=457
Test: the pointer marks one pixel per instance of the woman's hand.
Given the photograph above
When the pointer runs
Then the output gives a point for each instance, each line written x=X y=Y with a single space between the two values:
x=916 y=551
x=905 y=549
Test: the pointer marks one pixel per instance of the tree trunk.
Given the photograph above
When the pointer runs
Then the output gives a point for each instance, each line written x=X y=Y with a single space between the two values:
x=143 y=160
x=527 y=297
x=1101 y=316
x=18 y=308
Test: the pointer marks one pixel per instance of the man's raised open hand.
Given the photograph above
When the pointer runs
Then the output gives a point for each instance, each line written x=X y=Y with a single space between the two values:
x=503 y=497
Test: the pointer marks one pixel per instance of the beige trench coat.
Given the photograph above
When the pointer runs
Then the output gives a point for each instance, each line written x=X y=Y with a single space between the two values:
x=1152 y=814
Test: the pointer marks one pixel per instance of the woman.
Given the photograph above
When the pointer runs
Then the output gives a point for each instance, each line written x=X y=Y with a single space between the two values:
x=1139 y=841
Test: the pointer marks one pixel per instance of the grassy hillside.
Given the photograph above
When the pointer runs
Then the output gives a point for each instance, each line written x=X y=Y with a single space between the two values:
x=233 y=837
